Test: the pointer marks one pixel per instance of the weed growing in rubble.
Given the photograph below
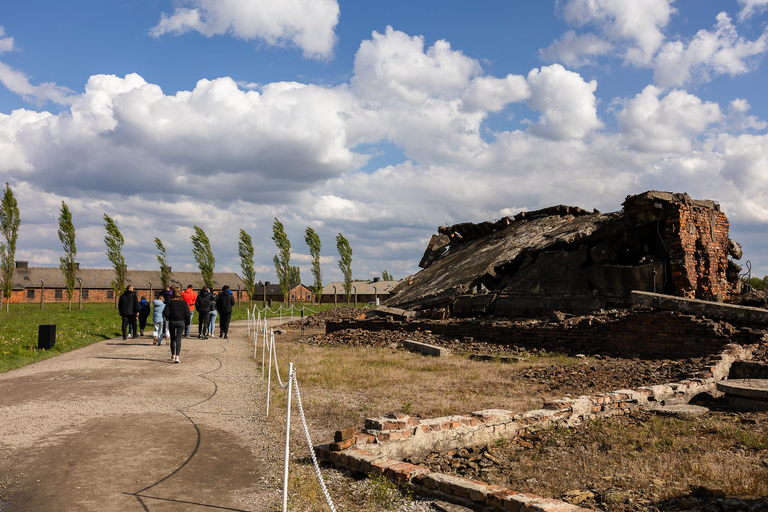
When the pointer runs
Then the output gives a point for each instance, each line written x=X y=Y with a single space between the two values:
x=406 y=408
x=384 y=493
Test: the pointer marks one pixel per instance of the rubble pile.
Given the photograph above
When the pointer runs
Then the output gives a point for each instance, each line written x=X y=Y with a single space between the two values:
x=317 y=321
x=575 y=376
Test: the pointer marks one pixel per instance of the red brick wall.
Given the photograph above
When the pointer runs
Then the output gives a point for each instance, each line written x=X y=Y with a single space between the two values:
x=94 y=295
x=698 y=244
x=644 y=334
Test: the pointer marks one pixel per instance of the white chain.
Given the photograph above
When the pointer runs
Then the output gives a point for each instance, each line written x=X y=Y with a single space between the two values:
x=309 y=443
x=277 y=370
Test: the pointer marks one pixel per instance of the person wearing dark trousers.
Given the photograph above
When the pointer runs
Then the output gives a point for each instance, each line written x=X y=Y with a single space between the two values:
x=224 y=306
x=202 y=305
x=144 y=310
x=128 y=307
x=177 y=314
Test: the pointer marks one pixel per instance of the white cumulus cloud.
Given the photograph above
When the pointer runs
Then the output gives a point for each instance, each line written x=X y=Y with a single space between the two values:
x=652 y=123
x=307 y=24
x=567 y=103
x=635 y=25
x=709 y=54
x=751 y=7
x=576 y=50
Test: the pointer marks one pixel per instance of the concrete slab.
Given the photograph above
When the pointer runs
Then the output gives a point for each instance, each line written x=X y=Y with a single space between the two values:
x=746 y=314
x=745 y=394
x=681 y=411
x=425 y=348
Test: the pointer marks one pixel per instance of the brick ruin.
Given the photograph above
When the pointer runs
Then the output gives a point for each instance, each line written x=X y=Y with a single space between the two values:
x=568 y=259
x=652 y=280
x=380 y=447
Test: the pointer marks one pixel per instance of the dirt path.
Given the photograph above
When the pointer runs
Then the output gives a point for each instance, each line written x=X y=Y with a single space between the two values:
x=117 y=427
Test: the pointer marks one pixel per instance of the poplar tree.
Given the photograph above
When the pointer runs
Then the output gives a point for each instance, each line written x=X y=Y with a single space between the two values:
x=313 y=241
x=245 y=249
x=115 y=241
x=386 y=276
x=9 y=226
x=67 y=262
x=165 y=269
x=345 y=263
x=282 y=259
x=201 y=250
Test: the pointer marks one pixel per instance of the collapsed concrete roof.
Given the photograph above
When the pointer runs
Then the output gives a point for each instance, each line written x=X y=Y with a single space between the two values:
x=565 y=257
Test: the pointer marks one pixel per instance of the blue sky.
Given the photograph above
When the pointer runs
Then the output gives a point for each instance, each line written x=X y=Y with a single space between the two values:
x=380 y=120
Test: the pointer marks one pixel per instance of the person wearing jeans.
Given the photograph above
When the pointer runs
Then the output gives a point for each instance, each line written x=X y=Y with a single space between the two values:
x=212 y=313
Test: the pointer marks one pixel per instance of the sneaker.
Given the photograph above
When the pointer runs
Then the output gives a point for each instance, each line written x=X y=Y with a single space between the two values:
x=205 y=337
x=226 y=337
x=141 y=333
x=129 y=336
x=177 y=360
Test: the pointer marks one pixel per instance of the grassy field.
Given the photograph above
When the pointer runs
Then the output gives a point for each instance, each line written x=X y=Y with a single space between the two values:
x=74 y=329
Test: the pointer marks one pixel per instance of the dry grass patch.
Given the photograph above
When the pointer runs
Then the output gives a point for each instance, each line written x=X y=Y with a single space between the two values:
x=342 y=386
x=634 y=463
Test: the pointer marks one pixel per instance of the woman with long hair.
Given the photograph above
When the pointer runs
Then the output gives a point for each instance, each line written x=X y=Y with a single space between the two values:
x=177 y=314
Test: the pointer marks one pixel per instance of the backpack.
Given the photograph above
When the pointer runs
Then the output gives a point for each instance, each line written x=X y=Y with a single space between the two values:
x=213 y=302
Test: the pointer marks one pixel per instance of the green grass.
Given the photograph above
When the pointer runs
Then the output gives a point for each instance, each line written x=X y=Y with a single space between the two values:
x=74 y=329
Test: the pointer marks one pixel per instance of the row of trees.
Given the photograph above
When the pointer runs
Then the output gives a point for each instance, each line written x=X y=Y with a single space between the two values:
x=288 y=275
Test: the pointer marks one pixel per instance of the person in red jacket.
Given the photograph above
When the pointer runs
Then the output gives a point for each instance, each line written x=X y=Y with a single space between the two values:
x=189 y=297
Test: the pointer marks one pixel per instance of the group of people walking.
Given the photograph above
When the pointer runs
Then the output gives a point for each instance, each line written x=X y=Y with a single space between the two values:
x=173 y=311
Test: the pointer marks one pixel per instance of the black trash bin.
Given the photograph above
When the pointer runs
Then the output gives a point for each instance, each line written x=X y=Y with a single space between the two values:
x=46 y=337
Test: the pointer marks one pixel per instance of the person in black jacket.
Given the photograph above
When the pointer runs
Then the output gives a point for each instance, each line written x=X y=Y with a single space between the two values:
x=177 y=314
x=128 y=307
x=224 y=306
x=203 y=305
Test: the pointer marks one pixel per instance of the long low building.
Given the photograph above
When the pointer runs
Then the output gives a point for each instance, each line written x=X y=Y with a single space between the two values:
x=47 y=284
x=362 y=291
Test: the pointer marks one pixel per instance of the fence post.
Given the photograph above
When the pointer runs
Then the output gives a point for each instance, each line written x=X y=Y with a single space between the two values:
x=287 y=439
x=269 y=372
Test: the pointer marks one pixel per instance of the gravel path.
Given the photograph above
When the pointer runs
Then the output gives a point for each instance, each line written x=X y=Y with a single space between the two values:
x=117 y=427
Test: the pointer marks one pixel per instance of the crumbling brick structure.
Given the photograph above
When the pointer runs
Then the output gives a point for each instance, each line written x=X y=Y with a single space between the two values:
x=569 y=259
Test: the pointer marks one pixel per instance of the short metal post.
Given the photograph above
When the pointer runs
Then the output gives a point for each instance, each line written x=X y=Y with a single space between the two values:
x=42 y=294
x=287 y=439
x=80 y=301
